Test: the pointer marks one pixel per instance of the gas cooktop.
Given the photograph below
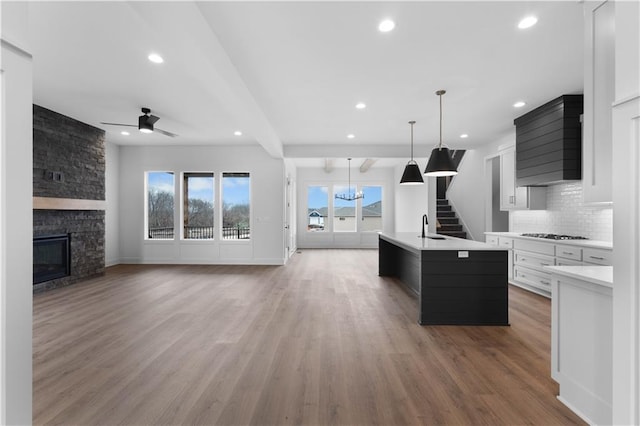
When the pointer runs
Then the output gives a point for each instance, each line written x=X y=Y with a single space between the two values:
x=554 y=236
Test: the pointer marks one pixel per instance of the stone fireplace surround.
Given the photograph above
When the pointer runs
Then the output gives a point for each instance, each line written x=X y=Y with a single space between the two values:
x=69 y=190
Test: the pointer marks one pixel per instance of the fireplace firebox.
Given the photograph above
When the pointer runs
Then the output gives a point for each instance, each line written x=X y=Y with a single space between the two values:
x=51 y=257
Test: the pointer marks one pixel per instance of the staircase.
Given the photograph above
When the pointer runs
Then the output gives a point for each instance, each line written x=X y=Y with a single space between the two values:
x=449 y=223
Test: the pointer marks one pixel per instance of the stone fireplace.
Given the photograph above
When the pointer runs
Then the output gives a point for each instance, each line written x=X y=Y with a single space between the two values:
x=69 y=194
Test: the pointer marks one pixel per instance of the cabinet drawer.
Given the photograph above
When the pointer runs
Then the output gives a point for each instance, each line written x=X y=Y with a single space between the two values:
x=598 y=256
x=535 y=247
x=533 y=278
x=492 y=239
x=567 y=262
x=532 y=260
x=568 y=252
x=505 y=242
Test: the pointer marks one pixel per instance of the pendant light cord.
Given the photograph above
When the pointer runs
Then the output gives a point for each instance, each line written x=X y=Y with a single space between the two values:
x=440 y=93
x=412 y=123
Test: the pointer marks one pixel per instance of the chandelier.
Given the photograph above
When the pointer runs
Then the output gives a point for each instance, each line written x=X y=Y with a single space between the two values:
x=350 y=196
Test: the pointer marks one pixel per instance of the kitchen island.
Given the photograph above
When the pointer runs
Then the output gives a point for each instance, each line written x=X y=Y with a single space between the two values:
x=458 y=282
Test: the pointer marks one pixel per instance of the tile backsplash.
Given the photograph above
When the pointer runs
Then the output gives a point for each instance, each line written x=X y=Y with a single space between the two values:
x=566 y=214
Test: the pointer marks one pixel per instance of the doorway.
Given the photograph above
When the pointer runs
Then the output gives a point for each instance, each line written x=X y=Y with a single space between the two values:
x=496 y=219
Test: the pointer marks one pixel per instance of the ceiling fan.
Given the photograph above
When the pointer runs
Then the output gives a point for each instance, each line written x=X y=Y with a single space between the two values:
x=145 y=124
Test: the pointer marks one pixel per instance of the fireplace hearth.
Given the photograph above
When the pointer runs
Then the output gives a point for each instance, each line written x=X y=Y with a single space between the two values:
x=51 y=257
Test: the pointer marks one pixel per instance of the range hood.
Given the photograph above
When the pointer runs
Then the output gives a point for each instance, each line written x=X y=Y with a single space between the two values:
x=549 y=143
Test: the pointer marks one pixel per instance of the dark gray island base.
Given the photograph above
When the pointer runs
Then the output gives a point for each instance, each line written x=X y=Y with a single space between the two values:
x=458 y=282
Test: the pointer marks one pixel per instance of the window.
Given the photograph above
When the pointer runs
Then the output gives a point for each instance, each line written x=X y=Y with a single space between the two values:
x=372 y=209
x=198 y=202
x=344 y=212
x=160 y=207
x=236 y=206
x=317 y=208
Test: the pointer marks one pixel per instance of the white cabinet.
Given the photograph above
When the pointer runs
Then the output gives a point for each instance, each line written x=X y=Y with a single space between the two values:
x=599 y=92
x=513 y=197
x=530 y=257
x=581 y=340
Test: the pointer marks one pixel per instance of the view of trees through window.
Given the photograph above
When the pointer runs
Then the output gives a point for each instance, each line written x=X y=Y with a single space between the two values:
x=236 y=209
x=317 y=207
x=199 y=196
x=160 y=205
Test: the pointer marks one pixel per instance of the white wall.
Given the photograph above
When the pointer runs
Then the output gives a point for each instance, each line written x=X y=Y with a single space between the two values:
x=468 y=191
x=626 y=216
x=16 y=217
x=267 y=205
x=315 y=176
x=112 y=195
x=412 y=201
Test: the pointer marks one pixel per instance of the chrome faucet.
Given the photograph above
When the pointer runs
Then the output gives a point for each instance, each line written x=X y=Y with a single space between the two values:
x=425 y=221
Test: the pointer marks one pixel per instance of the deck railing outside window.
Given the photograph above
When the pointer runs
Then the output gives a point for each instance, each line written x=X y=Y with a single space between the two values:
x=202 y=232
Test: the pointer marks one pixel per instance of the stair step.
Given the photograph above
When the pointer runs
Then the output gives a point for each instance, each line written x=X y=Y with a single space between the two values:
x=458 y=234
x=450 y=227
x=445 y=214
x=448 y=220
x=442 y=202
x=443 y=208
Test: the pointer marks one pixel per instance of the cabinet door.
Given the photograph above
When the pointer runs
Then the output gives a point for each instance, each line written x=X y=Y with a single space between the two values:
x=508 y=179
x=599 y=77
x=517 y=198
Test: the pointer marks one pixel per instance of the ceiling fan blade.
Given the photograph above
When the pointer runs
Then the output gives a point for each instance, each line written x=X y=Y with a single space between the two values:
x=151 y=119
x=118 y=124
x=164 y=132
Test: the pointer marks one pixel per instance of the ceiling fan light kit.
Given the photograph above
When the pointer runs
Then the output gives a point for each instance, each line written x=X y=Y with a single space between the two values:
x=440 y=162
x=411 y=175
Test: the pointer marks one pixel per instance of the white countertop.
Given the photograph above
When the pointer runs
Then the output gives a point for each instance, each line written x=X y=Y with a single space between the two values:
x=582 y=243
x=412 y=240
x=601 y=275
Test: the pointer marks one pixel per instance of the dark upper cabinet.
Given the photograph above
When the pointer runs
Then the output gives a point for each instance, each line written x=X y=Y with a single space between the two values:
x=549 y=143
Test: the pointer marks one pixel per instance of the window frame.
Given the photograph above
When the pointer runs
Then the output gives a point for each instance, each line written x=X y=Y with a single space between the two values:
x=146 y=206
x=184 y=200
x=221 y=207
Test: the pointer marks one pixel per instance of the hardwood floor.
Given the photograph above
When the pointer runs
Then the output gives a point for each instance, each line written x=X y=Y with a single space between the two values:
x=322 y=340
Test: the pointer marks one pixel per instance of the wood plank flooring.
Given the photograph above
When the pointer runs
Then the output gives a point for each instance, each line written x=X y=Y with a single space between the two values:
x=320 y=341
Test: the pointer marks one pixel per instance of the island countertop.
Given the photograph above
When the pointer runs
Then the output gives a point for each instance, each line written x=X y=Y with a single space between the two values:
x=413 y=241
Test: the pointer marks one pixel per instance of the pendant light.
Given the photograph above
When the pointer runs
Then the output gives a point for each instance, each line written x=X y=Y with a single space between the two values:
x=440 y=162
x=411 y=175
x=350 y=196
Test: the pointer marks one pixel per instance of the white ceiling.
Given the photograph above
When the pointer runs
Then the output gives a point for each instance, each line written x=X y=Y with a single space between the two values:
x=288 y=74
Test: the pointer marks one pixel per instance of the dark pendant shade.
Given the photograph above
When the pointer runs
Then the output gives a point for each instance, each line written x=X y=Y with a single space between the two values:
x=411 y=175
x=440 y=163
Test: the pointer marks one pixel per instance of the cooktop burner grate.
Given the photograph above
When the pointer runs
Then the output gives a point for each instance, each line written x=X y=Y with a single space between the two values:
x=554 y=236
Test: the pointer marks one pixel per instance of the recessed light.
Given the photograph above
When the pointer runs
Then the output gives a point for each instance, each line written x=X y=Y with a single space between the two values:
x=155 y=58
x=124 y=133
x=361 y=105
x=519 y=104
x=351 y=136
x=386 y=26
x=464 y=136
x=237 y=133
x=527 y=22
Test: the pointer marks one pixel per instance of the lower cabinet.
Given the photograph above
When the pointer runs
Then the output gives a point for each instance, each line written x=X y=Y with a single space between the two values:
x=581 y=342
x=528 y=258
